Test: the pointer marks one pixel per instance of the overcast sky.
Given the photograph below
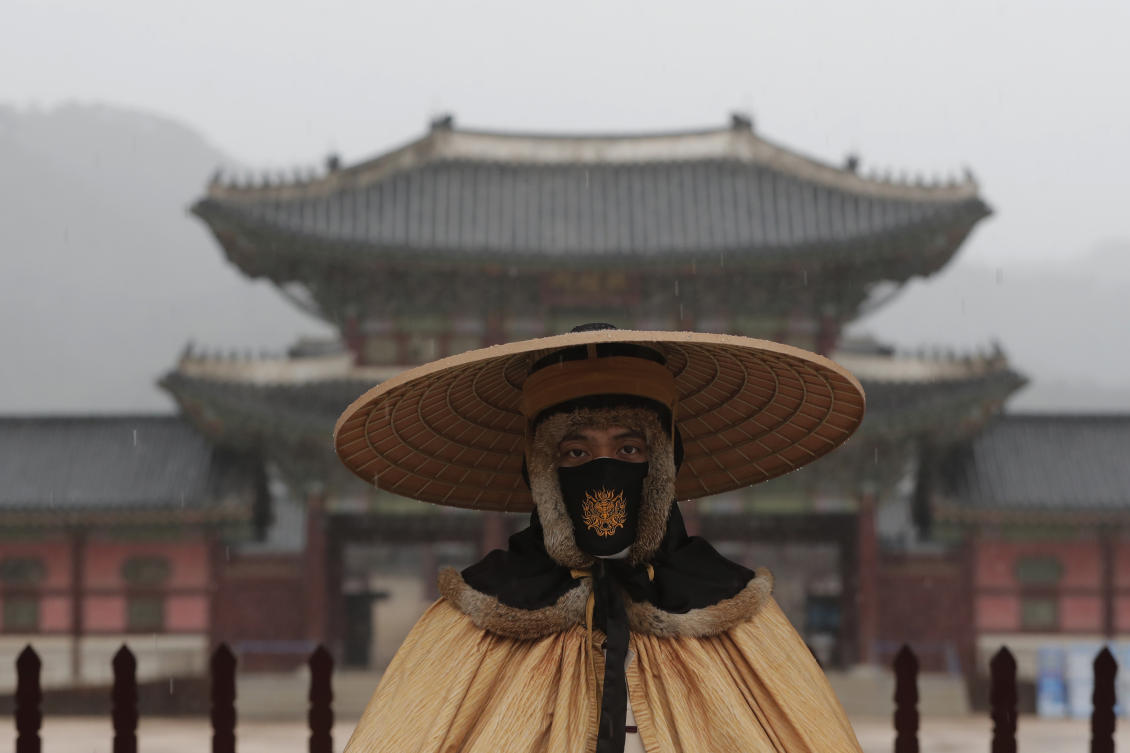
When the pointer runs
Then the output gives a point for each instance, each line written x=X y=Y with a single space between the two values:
x=1030 y=95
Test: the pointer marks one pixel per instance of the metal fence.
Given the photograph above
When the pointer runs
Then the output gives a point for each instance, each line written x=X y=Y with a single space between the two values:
x=123 y=709
x=124 y=696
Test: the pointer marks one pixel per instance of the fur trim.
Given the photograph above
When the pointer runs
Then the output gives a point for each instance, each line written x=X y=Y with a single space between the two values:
x=658 y=487
x=644 y=617
x=530 y=624
x=488 y=613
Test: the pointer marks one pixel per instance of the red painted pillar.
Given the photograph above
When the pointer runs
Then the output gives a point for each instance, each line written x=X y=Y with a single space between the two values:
x=494 y=333
x=78 y=588
x=1106 y=549
x=216 y=567
x=334 y=580
x=828 y=334
x=317 y=601
x=868 y=579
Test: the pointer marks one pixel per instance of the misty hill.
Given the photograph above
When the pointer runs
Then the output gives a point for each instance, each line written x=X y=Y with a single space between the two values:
x=105 y=277
x=1066 y=325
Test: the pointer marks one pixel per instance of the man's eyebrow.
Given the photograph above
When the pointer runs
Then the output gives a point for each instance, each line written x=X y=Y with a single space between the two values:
x=630 y=434
x=573 y=435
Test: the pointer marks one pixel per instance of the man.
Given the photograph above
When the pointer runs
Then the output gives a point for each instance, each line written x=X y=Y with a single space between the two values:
x=603 y=627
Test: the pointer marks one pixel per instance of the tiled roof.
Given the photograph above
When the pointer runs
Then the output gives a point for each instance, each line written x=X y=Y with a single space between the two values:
x=1044 y=462
x=118 y=463
x=240 y=400
x=464 y=193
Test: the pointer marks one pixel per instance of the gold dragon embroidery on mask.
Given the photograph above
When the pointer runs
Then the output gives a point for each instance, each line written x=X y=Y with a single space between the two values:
x=604 y=511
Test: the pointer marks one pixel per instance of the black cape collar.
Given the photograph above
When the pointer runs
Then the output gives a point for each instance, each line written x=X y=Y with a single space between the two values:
x=688 y=573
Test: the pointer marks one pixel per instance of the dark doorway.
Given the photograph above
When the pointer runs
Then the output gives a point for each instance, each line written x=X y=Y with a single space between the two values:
x=359 y=627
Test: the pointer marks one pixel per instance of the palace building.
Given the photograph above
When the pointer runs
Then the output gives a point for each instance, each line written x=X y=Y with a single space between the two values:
x=463 y=239
x=236 y=522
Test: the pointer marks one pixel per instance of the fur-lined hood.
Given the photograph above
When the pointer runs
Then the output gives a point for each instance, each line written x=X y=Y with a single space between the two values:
x=658 y=487
x=544 y=583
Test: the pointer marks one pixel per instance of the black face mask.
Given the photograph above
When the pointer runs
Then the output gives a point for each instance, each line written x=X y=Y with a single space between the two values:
x=603 y=499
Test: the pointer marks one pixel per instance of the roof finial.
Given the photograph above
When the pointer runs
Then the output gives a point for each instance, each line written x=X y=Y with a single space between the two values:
x=741 y=121
x=333 y=163
x=443 y=122
x=851 y=164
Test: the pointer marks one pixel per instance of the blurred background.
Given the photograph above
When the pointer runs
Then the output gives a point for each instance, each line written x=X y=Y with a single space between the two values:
x=222 y=222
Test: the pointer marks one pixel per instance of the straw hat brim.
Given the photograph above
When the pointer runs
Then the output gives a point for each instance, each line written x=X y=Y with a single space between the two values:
x=451 y=432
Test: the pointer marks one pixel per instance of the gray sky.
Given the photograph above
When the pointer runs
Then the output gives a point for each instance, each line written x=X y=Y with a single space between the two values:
x=1026 y=93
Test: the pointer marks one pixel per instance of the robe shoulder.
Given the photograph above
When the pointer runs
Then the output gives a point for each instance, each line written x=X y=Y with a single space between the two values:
x=455 y=687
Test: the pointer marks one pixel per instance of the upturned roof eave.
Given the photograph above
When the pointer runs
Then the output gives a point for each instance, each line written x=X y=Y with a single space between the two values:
x=229 y=403
x=222 y=217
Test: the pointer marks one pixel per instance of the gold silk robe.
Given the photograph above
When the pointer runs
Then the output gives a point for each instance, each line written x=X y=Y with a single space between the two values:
x=455 y=688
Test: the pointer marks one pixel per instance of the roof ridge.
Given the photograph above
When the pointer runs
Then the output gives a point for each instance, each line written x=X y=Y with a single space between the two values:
x=738 y=143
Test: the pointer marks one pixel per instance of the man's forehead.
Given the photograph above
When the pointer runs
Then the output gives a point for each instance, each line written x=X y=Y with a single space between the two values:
x=598 y=432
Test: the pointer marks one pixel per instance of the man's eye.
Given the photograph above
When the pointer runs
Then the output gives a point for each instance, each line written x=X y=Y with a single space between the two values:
x=629 y=449
x=575 y=453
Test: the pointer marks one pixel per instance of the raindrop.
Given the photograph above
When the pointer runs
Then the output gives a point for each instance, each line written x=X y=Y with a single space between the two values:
x=694 y=266
x=170 y=686
x=227 y=554
x=804 y=277
x=876 y=456
x=676 y=288
x=1000 y=275
x=680 y=314
x=963 y=305
x=722 y=260
x=135 y=437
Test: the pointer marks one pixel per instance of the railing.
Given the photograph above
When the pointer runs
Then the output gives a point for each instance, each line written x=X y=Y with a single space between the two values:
x=29 y=696
x=1002 y=701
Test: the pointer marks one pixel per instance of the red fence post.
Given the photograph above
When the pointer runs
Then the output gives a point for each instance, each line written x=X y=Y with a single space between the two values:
x=321 y=716
x=28 y=697
x=123 y=701
x=223 y=700
x=1002 y=701
x=906 y=701
x=1102 y=714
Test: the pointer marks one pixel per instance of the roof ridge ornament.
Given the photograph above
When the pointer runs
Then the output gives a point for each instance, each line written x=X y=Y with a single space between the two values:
x=741 y=121
x=443 y=122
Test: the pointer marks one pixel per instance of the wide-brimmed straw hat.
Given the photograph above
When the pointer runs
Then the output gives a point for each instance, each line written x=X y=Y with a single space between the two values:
x=454 y=431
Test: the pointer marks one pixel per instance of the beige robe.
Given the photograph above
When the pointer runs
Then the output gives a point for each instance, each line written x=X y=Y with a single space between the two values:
x=455 y=688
